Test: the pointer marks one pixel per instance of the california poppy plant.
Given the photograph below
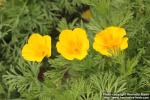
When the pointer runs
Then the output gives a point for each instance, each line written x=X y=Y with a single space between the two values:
x=87 y=15
x=37 y=48
x=73 y=44
x=110 y=41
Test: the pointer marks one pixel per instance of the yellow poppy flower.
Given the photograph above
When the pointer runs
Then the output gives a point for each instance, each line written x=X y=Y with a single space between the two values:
x=37 y=48
x=73 y=44
x=110 y=41
x=87 y=14
x=2 y=2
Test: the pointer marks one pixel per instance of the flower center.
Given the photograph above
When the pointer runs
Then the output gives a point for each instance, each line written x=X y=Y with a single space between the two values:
x=76 y=50
x=112 y=44
x=112 y=47
x=41 y=53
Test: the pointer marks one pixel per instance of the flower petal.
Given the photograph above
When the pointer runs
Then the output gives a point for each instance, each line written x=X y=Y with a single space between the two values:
x=63 y=51
x=101 y=49
x=82 y=37
x=116 y=32
x=66 y=35
x=48 y=45
x=28 y=53
x=81 y=56
x=35 y=39
x=124 y=43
